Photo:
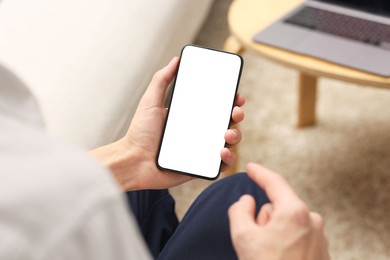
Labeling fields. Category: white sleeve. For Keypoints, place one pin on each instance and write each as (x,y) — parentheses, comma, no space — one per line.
(56,202)
(108,232)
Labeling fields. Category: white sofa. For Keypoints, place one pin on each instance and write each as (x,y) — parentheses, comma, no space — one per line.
(88,62)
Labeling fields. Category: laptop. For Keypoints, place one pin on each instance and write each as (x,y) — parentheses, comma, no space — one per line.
(353,33)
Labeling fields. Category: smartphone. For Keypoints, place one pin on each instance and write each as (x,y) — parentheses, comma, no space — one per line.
(199,112)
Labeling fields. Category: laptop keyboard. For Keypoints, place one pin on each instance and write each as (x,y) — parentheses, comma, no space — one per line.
(350,27)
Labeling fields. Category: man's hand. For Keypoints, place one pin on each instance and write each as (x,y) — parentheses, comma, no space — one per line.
(132,159)
(284,228)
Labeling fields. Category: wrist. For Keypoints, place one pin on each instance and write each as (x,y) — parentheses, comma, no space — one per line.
(121,161)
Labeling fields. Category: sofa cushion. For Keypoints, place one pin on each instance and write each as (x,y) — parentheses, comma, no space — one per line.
(88,62)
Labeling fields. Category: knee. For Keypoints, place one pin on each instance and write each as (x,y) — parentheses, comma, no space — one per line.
(240,181)
(240,184)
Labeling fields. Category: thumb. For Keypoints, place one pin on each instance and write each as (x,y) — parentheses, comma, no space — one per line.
(242,216)
(155,93)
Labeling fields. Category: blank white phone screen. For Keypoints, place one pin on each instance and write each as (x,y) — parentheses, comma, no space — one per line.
(200,111)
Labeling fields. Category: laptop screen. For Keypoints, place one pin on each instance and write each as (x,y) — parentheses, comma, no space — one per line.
(381,7)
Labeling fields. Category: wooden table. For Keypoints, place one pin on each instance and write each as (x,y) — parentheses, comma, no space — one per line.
(247,17)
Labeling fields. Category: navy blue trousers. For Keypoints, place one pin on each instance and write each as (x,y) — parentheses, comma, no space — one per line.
(204,231)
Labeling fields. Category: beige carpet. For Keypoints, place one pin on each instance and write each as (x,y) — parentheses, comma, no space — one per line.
(340,167)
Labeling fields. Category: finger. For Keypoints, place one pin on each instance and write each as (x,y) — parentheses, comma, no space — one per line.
(317,220)
(233,136)
(237,115)
(241,216)
(274,185)
(228,158)
(155,93)
(240,100)
(318,223)
(264,214)
(326,242)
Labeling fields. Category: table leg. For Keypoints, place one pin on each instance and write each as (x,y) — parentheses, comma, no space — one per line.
(232,45)
(307,91)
